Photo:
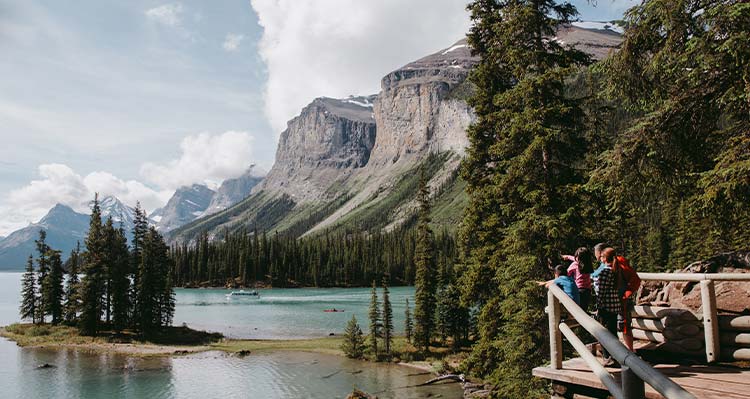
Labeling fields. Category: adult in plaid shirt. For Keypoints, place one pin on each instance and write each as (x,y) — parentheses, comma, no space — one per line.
(616,286)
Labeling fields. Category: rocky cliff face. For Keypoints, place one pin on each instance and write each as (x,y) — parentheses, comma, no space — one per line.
(234,190)
(410,111)
(329,139)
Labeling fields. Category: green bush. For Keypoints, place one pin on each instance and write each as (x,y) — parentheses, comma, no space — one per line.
(38,331)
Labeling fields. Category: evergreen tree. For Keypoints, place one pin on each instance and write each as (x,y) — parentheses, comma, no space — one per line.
(29,292)
(118,260)
(94,280)
(42,250)
(407,322)
(167,301)
(140,229)
(354,343)
(523,174)
(452,316)
(53,292)
(72,305)
(425,280)
(387,319)
(682,68)
(374,315)
(155,296)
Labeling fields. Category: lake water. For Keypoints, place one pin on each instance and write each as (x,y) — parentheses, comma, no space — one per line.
(278,313)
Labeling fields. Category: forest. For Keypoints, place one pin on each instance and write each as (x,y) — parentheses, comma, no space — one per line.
(340,259)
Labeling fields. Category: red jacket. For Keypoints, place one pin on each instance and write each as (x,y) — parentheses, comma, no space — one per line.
(631,280)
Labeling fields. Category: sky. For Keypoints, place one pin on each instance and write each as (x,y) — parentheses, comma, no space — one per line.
(135,98)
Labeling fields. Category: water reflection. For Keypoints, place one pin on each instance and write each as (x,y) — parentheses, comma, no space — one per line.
(76,374)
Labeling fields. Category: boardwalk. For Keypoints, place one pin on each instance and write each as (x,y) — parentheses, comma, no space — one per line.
(710,382)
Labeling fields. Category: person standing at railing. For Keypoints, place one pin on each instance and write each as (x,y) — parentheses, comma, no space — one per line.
(598,248)
(616,286)
(565,282)
(580,271)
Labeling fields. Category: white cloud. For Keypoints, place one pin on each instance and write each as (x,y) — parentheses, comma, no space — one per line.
(205,158)
(60,184)
(232,41)
(167,14)
(336,48)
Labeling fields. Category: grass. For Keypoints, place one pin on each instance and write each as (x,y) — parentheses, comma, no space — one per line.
(329,345)
(61,335)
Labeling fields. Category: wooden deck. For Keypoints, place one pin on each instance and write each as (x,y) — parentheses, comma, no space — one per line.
(710,382)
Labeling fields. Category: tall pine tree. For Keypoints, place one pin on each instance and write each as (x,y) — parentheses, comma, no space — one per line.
(94,279)
(140,229)
(118,260)
(42,261)
(387,319)
(72,286)
(522,179)
(29,292)
(407,322)
(155,306)
(52,289)
(374,315)
(426,268)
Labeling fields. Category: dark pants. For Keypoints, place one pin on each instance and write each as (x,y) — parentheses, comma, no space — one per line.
(585,295)
(609,321)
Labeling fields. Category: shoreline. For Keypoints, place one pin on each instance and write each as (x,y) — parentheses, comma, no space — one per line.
(230,346)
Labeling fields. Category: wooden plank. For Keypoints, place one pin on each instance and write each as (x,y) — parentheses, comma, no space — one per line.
(736,323)
(709,382)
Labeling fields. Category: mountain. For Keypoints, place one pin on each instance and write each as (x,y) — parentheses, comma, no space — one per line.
(120,213)
(64,227)
(354,163)
(187,204)
(234,190)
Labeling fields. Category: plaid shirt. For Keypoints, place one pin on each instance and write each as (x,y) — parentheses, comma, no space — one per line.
(608,296)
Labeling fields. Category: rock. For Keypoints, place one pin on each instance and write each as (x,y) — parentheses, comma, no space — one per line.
(731,296)
(242,353)
(357,394)
(474,390)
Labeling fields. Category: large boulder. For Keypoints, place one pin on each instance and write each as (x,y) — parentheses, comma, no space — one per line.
(731,296)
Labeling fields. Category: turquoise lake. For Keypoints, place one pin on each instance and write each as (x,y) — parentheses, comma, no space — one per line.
(277,314)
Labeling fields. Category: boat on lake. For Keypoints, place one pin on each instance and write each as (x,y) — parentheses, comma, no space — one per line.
(252,293)
(333,310)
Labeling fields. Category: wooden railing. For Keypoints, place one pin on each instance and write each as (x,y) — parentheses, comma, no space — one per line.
(634,371)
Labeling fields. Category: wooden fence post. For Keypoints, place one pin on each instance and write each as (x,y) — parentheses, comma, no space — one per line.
(710,321)
(632,385)
(555,337)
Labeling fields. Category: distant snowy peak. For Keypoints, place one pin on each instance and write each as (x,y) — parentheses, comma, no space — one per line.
(187,204)
(234,190)
(112,207)
(596,25)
